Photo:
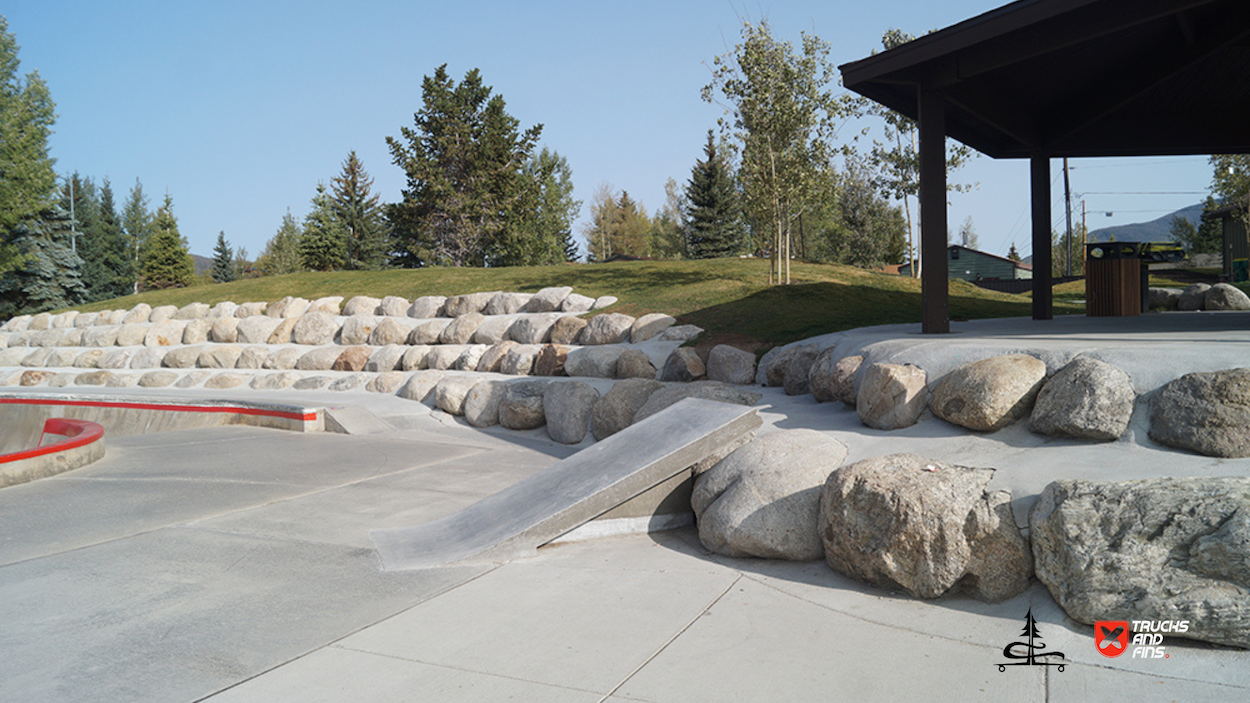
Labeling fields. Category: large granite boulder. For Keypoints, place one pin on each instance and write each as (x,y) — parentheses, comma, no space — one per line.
(730,365)
(597,362)
(225,330)
(1205,412)
(362,305)
(577,303)
(223,381)
(566,408)
(164,334)
(384,359)
(160,313)
(481,404)
(281,359)
(820,375)
(891,396)
(274,381)
(245,310)
(419,386)
(634,363)
(225,308)
(393,306)
(157,379)
(842,383)
(352,359)
(649,326)
(683,365)
(287,307)
(763,500)
(615,410)
(493,330)
(989,394)
(389,331)
(414,358)
(132,334)
(506,303)
(461,329)
(1193,297)
(776,363)
(1087,399)
(568,330)
(706,390)
(458,305)
(928,528)
(470,357)
(1164,298)
(357,329)
(191,311)
(282,333)
(428,332)
(254,357)
(607,328)
(319,359)
(1223,296)
(426,307)
(550,361)
(444,356)
(522,405)
(218,356)
(145,358)
(314,329)
(140,313)
(494,356)
(1157,549)
(99,336)
(256,329)
(519,360)
(181,357)
(533,329)
(450,391)
(547,299)
(797,377)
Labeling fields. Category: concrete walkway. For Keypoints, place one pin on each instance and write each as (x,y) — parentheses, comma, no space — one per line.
(234,564)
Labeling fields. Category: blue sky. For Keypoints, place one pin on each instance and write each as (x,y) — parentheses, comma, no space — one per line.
(238,109)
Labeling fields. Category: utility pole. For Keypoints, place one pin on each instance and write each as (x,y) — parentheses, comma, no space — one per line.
(1067,201)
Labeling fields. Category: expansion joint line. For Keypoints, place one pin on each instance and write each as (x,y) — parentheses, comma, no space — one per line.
(670,640)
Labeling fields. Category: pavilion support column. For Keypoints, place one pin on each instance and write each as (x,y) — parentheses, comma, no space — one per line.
(1039,173)
(934,287)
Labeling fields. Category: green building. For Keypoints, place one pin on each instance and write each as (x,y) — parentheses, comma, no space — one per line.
(975,265)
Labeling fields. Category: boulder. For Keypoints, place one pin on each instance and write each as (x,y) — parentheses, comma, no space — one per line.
(1087,399)
(481,405)
(157,379)
(550,360)
(604,301)
(776,365)
(330,305)
(522,405)
(281,359)
(567,407)
(634,363)
(493,330)
(35,378)
(161,313)
(1223,296)
(219,356)
(64,320)
(450,391)
(842,384)
(387,382)
(131,334)
(389,331)
(123,380)
(61,380)
(797,377)
(683,365)
(181,357)
(650,325)
(519,360)
(352,359)
(22,322)
(533,329)
(1156,549)
(115,359)
(461,329)
(385,358)
(426,307)
(282,333)
(547,299)
(196,331)
(311,383)
(94,378)
(458,305)
(568,330)
(225,330)
(38,357)
(414,358)
(903,521)
(608,328)
(820,375)
(577,303)
(419,385)
(494,356)
(616,409)
(891,396)
(707,390)
(40,322)
(256,329)
(62,358)
(247,310)
(1164,298)
(763,500)
(428,332)
(443,356)
(146,358)
(394,306)
(469,358)
(319,359)
(730,365)
(1205,412)
(357,329)
(86,319)
(140,313)
(254,357)
(223,309)
(222,381)
(46,338)
(506,303)
(349,382)
(164,334)
(191,311)
(89,359)
(598,362)
(274,381)
(1193,297)
(362,305)
(989,394)
(681,333)
(99,336)
(314,329)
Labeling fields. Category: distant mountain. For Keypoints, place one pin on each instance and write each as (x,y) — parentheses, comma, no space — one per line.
(1154,231)
(202,264)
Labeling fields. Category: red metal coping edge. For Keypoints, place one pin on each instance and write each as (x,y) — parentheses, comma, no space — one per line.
(236,409)
(78,433)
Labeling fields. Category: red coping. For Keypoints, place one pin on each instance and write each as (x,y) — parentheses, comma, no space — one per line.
(234,409)
(77,433)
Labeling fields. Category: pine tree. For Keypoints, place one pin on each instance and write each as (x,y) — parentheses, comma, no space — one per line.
(47,276)
(360,213)
(714,225)
(542,222)
(1012,253)
(323,243)
(136,228)
(223,270)
(165,262)
(107,267)
(281,253)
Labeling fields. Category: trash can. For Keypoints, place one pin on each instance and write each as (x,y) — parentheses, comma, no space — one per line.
(1241,270)
(1113,279)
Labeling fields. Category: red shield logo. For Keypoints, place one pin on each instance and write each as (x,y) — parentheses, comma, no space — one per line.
(1111,636)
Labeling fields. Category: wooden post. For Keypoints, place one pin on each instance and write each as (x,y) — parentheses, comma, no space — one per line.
(1039,176)
(934,287)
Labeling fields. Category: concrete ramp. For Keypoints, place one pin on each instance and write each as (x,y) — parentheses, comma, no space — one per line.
(533,512)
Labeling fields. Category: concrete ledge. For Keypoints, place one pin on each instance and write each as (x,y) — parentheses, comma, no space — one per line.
(82,443)
(525,516)
(122,416)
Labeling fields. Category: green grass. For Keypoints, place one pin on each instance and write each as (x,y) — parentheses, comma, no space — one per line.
(730,298)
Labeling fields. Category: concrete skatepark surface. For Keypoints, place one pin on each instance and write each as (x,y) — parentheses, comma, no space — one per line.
(234,564)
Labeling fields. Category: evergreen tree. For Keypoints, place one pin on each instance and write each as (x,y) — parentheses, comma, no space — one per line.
(1012,253)
(136,228)
(867,230)
(617,226)
(27,179)
(463,161)
(223,270)
(360,213)
(164,261)
(109,271)
(47,275)
(542,229)
(714,225)
(668,226)
(323,243)
(281,253)
(1206,238)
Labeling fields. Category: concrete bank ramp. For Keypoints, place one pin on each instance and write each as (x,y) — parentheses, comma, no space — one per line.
(531,513)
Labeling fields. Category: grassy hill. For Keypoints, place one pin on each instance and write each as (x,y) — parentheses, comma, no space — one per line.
(730,298)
